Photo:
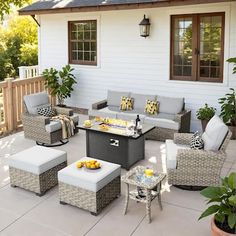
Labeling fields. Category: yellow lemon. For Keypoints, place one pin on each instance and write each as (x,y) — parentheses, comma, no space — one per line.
(79,164)
(92,166)
(88,164)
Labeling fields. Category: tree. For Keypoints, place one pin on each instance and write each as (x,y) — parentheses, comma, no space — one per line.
(18,45)
(6,5)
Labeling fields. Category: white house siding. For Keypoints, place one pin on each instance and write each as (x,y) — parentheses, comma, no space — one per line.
(128,62)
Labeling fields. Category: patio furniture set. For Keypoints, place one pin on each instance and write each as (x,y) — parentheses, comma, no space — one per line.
(40,168)
(171,118)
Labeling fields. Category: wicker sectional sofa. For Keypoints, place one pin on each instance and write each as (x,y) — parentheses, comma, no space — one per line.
(172,117)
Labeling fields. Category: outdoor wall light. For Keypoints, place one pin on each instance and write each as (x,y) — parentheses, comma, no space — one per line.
(144,26)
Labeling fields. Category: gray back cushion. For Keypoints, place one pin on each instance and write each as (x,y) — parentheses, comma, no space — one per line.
(140,100)
(170,105)
(33,101)
(113,108)
(114,97)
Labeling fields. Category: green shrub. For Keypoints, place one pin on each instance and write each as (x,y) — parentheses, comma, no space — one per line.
(206,112)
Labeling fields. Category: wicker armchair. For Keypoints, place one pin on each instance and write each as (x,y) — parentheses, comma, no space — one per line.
(40,128)
(197,167)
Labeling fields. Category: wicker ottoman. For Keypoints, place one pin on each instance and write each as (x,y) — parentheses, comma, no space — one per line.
(91,190)
(36,168)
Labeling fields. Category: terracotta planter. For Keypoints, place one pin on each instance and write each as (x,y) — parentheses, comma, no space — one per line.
(233,130)
(204,124)
(215,231)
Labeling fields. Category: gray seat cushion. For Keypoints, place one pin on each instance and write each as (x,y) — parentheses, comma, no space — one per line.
(170,105)
(130,116)
(114,97)
(89,180)
(33,101)
(104,112)
(162,123)
(37,159)
(163,116)
(56,125)
(140,100)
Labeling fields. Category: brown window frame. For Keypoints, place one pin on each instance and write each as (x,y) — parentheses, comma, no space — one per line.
(195,46)
(80,62)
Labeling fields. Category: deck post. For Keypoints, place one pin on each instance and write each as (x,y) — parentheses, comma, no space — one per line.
(10,112)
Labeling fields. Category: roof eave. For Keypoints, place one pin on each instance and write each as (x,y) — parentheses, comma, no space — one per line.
(162,3)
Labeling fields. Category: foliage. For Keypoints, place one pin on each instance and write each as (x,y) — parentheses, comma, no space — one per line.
(224,199)
(228,108)
(206,112)
(29,54)
(6,6)
(233,60)
(18,46)
(210,34)
(60,83)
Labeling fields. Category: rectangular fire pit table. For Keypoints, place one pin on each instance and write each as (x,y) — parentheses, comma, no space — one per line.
(150,187)
(114,145)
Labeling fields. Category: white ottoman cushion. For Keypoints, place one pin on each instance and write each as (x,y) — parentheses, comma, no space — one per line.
(37,159)
(92,180)
(171,153)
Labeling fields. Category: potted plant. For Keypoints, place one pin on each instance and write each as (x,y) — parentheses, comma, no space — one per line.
(223,206)
(205,114)
(60,83)
(228,111)
(233,60)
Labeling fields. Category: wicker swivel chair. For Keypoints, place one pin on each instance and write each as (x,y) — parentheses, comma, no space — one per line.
(40,128)
(195,168)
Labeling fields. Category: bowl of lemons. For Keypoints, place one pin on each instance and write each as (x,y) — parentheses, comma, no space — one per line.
(87,124)
(91,164)
(104,127)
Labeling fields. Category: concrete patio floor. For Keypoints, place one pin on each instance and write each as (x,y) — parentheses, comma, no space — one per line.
(24,213)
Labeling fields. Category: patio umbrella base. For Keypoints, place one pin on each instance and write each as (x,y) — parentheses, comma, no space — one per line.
(60,143)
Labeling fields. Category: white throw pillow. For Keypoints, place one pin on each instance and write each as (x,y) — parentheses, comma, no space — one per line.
(214,134)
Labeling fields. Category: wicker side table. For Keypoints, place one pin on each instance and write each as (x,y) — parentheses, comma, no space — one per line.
(151,186)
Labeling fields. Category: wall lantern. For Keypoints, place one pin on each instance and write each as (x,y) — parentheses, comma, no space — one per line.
(144,26)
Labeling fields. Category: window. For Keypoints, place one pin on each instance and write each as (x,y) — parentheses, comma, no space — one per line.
(83,42)
(197,47)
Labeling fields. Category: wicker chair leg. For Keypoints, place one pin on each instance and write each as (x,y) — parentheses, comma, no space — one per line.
(94,213)
(190,188)
(40,194)
(62,142)
(63,203)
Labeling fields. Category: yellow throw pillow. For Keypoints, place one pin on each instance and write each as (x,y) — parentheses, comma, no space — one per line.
(126,104)
(152,107)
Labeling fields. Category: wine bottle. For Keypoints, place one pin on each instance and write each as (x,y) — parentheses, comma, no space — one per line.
(137,123)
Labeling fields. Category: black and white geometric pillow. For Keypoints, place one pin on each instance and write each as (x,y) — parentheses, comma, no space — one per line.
(47,111)
(196,141)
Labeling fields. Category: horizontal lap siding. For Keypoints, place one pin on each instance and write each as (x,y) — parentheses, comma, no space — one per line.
(129,62)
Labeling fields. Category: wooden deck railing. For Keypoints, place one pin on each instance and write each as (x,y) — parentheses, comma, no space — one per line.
(12,92)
